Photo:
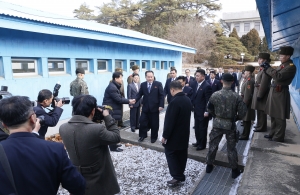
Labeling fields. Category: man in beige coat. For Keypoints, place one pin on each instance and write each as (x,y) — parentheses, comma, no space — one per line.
(261,91)
(278,102)
(87,145)
(247,90)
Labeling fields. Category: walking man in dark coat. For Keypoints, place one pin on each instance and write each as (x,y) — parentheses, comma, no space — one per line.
(153,102)
(113,97)
(278,102)
(201,95)
(176,133)
(260,95)
(132,89)
(189,79)
(173,74)
(235,83)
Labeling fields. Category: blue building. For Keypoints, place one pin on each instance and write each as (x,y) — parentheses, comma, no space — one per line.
(39,49)
(280,19)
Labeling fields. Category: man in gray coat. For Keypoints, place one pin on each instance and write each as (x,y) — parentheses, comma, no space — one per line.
(87,144)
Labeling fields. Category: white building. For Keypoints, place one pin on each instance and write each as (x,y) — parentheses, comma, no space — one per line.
(244,22)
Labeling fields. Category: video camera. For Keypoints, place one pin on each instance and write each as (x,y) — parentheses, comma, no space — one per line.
(65,100)
(98,116)
(4,93)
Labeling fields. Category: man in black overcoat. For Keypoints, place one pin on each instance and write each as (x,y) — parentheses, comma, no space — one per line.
(215,84)
(188,91)
(176,133)
(173,74)
(153,102)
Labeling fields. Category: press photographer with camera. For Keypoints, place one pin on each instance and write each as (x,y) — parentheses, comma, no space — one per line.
(44,100)
(86,143)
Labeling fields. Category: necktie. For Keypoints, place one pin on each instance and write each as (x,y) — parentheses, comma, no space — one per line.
(212,81)
(198,86)
(188,79)
(149,87)
(137,87)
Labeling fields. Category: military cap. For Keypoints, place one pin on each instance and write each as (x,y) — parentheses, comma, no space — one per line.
(249,68)
(80,70)
(265,56)
(212,71)
(135,67)
(227,77)
(286,50)
(118,70)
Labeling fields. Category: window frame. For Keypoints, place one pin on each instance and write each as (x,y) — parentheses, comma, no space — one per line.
(106,63)
(56,60)
(82,60)
(143,61)
(155,63)
(35,73)
(248,25)
(237,26)
(122,64)
(255,25)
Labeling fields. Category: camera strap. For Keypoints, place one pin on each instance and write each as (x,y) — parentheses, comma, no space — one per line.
(6,166)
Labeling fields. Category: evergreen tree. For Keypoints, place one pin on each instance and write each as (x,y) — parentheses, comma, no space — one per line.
(84,12)
(234,34)
(252,42)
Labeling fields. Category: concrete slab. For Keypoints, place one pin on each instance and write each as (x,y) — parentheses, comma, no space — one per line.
(269,174)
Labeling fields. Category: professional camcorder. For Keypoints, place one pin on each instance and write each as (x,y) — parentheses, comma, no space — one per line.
(65,100)
(4,93)
(98,117)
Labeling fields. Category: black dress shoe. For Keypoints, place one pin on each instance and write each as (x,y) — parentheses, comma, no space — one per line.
(243,138)
(141,139)
(117,150)
(235,173)
(153,140)
(200,148)
(268,136)
(173,183)
(122,126)
(137,128)
(118,145)
(194,144)
(209,168)
(132,130)
(255,130)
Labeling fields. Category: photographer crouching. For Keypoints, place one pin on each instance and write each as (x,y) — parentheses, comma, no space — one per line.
(87,144)
(44,100)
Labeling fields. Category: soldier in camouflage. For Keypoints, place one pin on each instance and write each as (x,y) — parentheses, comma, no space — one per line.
(78,86)
(226,107)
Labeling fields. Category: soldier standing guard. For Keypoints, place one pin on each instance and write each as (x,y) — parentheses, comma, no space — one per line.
(226,107)
(278,102)
(261,90)
(79,86)
(247,90)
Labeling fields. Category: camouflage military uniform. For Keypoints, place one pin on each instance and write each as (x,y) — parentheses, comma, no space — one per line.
(224,105)
(78,87)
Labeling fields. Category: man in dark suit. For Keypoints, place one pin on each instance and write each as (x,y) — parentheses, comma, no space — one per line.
(176,133)
(173,74)
(201,95)
(51,118)
(220,74)
(38,166)
(189,79)
(153,102)
(188,91)
(207,75)
(132,89)
(214,83)
(235,83)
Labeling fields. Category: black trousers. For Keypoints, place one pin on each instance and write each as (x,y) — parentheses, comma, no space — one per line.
(201,131)
(134,117)
(149,120)
(177,162)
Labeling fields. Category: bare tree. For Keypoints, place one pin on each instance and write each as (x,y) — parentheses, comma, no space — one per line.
(193,33)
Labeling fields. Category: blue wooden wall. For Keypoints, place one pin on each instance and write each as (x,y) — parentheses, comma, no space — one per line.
(22,44)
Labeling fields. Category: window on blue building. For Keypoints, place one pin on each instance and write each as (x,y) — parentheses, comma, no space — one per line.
(132,62)
(119,64)
(102,65)
(56,66)
(24,67)
(82,64)
(144,64)
(154,64)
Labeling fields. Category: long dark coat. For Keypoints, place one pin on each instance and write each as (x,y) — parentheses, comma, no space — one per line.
(247,91)
(114,98)
(261,89)
(177,122)
(87,144)
(278,103)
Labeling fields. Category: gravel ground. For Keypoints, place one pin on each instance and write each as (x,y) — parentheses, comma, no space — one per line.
(144,171)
